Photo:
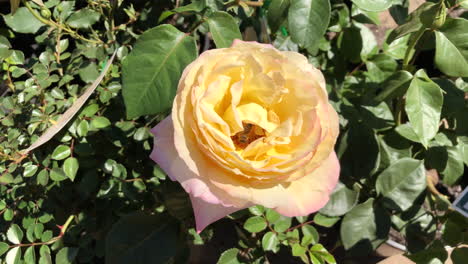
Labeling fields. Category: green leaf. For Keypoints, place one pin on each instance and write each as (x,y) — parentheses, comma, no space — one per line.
(380,67)
(257,210)
(38,229)
(43,177)
(363,16)
(15,234)
(325,221)
(3,248)
(90,110)
(46,236)
(89,73)
(448,161)
(369,42)
(402,183)
(392,148)
(141,134)
(223,28)
(452,47)
(397,48)
(463,3)
(229,257)
(454,97)
(70,167)
(100,122)
(315,258)
(5,46)
(423,105)
(13,256)
(270,242)
(282,224)
(298,250)
(435,254)
(255,224)
(463,148)
(459,254)
(139,238)
(57,174)
(350,43)
(407,131)
(23,21)
(412,24)
(272,216)
(30,233)
(30,170)
(394,86)
(373,5)
(311,236)
(341,201)
(61,152)
(30,255)
(83,18)
(364,228)
(321,251)
(150,72)
(82,128)
(276,13)
(45,255)
(66,255)
(308,20)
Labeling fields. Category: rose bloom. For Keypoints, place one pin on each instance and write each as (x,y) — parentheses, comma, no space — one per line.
(250,125)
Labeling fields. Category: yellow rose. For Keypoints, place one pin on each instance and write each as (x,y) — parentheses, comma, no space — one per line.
(250,125)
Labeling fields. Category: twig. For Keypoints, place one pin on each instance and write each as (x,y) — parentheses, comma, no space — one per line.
(300,225)
(63,229)
(53,24)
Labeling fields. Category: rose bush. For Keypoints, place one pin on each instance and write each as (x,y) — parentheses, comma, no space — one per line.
(250,125)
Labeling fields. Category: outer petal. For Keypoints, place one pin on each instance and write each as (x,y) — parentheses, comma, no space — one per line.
(301,197)
(312,192)
(165,154)
(207,213)
(206,205)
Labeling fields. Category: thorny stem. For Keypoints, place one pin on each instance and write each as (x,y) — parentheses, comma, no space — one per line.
(63,229)
(300,225)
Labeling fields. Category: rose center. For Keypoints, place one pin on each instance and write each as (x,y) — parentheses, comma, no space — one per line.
(250,133)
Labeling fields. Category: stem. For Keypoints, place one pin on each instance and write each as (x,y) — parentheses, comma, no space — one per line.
(67,223)
(55,25)
(192,30)
(410,51)
(300,225)
(63,229)
(399,110)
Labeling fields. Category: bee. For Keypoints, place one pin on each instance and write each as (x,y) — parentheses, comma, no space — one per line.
(250,133)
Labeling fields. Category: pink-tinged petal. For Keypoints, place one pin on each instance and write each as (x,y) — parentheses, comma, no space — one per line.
(312,192)
(298,198)
(166,156)
(207,213)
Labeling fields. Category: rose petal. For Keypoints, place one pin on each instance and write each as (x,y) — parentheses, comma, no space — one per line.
(207,213)
(166,156)
(301,197)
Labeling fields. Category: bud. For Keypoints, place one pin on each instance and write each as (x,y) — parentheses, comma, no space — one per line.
(45,13)
(441,15)
(434,16)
